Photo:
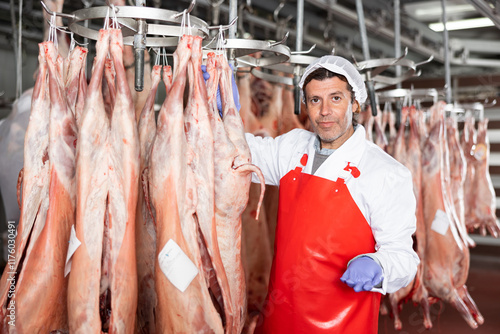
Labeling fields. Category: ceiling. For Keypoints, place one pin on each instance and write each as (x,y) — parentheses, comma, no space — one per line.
(333,25)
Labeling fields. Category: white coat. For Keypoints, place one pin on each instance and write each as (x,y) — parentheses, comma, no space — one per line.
(383,192)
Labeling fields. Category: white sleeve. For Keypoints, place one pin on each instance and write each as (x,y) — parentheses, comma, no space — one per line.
(393,222)
(265,156)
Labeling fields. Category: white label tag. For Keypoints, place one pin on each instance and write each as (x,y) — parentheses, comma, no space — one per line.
(74,243)
(177,266)
(441,222)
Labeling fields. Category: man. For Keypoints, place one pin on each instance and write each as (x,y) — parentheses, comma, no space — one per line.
(346,213)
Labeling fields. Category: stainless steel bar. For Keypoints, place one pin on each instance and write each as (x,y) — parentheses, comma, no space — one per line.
(366,54)
(397,36)
(446,46)
(139,48)
(362,29)
(298,47)
(300,25)
(233,13)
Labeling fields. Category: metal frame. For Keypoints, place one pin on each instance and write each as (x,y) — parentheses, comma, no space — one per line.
(275,53)
(127,16)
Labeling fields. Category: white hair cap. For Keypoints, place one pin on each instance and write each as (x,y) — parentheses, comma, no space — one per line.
(341,66)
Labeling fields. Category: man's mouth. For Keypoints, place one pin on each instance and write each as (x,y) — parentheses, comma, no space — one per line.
(326,124)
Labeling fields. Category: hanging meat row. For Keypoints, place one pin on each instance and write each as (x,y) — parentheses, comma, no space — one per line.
(454,195)
(151,210)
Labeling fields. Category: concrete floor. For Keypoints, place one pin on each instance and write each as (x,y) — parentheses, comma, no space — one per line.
(484,287)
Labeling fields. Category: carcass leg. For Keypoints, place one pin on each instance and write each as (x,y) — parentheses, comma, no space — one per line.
(464,294)
(462,308)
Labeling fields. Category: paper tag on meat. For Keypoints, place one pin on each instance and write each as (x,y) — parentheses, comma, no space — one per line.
(177,266)
(74,243)
(441,222)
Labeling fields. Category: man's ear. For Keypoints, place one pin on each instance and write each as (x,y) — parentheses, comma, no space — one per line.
(356,107)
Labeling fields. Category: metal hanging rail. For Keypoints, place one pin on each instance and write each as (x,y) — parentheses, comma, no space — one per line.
(165,32)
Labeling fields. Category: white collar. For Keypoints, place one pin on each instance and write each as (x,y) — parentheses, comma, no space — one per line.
(350,152)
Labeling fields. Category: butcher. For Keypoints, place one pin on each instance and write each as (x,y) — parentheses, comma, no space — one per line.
(346,213)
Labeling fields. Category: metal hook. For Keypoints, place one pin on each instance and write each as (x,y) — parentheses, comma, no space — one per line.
(486,105)
(244,6)
(224,27)
(303,52)
(425,61)
(356,63)
(277,10)
(280,42)
(69,16)
(187,11)
(61,28)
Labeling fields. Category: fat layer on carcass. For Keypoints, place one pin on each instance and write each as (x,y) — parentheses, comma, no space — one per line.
(103,279)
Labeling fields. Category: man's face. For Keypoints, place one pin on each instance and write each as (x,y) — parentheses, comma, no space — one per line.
(330,109)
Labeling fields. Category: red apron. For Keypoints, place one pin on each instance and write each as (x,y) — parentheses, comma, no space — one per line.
(320,228)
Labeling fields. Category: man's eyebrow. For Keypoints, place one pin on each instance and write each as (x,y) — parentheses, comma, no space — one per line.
(337,92)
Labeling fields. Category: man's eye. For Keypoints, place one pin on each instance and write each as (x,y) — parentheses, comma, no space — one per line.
(336,98)
(314,100)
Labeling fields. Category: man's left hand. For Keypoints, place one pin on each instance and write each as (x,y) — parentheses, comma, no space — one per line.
(362,274)
(234,86)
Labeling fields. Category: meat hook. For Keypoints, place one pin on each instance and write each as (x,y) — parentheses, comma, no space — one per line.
(187,11)
(280,42)
(69,16)
(303,52)
(222,28)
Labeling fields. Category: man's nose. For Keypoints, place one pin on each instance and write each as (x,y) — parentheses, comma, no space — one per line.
(325,110)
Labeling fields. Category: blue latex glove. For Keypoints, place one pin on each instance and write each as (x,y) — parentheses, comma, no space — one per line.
(236,94)
(362,274)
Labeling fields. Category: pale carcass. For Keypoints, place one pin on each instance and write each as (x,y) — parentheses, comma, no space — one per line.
(483,209)
(457,175)
(419,293)
(250,120)
(408,152)
(446,258)
(75,81)
(272,118)
(230,174)
(40,285)
(289,120)
(380,139)
(200,140)
(103,280)
(191,311)
(467,141)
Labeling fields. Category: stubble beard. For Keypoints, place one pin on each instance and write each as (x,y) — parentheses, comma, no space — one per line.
(329,140)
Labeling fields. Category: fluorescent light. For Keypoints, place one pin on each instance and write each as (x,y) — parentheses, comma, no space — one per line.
(450,9)
(479,22)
